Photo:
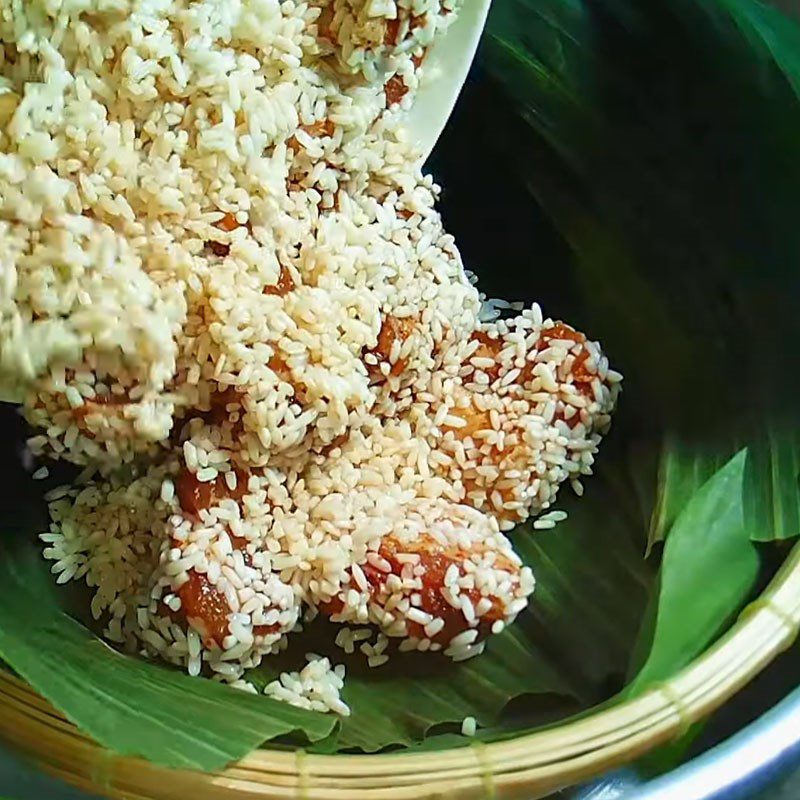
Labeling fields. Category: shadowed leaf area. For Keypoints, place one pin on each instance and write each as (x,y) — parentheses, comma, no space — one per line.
(634,168)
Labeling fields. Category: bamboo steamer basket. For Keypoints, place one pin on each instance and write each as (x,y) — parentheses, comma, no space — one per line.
(525,768)
(528,767)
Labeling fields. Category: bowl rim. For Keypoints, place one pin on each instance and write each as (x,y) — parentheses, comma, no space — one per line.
(446,68)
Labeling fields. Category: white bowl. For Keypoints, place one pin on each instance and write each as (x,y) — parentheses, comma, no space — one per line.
(446,68)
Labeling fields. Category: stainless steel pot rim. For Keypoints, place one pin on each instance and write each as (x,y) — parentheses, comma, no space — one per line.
(734,770)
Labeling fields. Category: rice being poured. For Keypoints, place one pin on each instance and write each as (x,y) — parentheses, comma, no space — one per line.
(228,295)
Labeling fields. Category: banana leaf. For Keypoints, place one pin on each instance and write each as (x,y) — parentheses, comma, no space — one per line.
(673,181)
(687,616)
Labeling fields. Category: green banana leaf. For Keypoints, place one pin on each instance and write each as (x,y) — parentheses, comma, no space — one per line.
(673,181)
(687,615)
(772,478)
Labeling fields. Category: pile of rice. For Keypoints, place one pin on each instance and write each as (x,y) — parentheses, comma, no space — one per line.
(228,295)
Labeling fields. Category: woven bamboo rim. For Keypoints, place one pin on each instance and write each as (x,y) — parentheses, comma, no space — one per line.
(528,767)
